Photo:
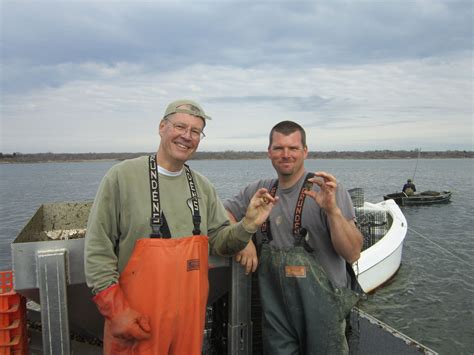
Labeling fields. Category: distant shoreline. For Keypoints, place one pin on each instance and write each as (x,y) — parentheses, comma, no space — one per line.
(16,158)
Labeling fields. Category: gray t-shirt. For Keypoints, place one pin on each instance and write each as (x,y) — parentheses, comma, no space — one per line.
(314,219)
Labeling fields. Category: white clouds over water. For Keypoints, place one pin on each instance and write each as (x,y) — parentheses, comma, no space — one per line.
(82,76)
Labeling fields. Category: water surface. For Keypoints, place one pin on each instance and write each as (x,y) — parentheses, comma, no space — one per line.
(430,299)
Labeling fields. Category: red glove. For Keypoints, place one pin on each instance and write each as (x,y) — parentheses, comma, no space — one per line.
(125,323)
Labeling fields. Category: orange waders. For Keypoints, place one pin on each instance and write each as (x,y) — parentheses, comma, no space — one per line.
(166,280)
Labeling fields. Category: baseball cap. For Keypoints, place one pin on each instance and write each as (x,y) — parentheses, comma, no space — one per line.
(186,106)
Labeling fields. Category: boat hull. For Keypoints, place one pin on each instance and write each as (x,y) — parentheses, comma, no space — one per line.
(378,263)
(423,198)
(378,274)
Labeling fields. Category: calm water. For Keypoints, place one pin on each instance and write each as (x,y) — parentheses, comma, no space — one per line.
(431,297)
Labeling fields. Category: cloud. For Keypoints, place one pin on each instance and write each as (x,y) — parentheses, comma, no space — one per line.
(172,35)
(308,104)
(97,75)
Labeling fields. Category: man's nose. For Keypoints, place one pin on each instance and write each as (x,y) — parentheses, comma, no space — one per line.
(187,133)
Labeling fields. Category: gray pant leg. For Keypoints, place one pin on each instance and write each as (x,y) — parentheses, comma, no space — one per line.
(301,315)
(278,336)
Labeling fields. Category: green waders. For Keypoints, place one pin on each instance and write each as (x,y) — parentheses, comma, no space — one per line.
(303,313)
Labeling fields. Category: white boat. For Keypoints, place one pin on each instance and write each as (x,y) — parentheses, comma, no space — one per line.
(384,227)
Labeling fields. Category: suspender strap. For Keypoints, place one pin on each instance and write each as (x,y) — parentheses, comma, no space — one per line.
(299,205)
(193,202)
(298,232)
(158,222)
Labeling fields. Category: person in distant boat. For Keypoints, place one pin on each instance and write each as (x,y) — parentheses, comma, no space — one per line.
(151,226)
(303,250)
(409,188)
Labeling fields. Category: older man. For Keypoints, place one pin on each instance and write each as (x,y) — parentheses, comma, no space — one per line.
(149,231)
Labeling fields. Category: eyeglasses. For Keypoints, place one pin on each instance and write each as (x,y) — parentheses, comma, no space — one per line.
(182,128)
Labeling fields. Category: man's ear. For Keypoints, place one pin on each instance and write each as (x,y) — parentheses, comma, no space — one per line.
(161,126)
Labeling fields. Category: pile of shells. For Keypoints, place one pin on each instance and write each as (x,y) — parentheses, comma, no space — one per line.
(61,234)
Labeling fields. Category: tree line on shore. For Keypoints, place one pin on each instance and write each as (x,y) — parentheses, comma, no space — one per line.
(235,155)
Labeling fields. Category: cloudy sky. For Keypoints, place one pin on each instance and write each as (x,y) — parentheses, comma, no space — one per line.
(96,76)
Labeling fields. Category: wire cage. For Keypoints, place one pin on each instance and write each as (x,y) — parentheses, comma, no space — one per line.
(373,225)
(357,196)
